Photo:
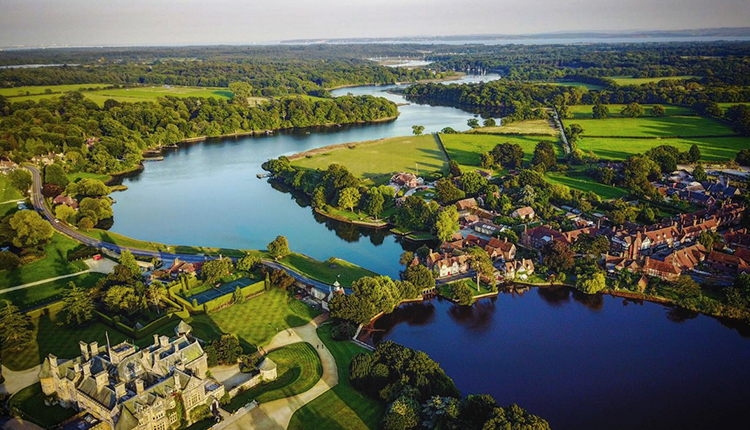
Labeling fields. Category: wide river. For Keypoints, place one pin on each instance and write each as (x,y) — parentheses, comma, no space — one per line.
(581,362)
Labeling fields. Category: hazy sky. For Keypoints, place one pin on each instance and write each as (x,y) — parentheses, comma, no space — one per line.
(179,22)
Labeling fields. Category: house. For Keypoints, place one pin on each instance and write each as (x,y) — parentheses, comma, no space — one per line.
(486,228)
(660,269)
(720,190)
(524,213)
(483,214)
(737,239)
(7,165)
(518,269)
(501,249)
(126,387)
(466,204)
(65,200)
(642,284)
(687,258)
(729,264)
(406,180)
(539,237)
(445,265)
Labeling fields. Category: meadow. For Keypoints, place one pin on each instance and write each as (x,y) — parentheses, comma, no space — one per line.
(48,90)
(629,80)
(585,111)
(530,127)
(585,183)
(377,160)
(8,193)
(55,263)
(668,126)
(99,94)
(712,149)
(574,84)
(466,149)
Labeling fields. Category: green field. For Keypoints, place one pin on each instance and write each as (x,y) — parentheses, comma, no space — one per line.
(343,407)
(298,369)
(585,111)
(74,177)
(585,183)
(712,149)
(378,160)
(49,291)
(21,92)
(322,270)
(445,289)
(574,84)
(537,126)
(466,148)
(7,191)
(55,263)
(255,321)
(30,400)
(684,126)
(629,80)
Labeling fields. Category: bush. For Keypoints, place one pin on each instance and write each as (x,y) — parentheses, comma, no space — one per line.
(82,253)
(344,330)
(200,413)
(8,260)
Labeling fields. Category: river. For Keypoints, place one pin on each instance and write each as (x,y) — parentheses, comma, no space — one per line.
(207,193)
(587,362)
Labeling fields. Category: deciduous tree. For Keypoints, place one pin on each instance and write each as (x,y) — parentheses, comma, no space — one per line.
(278,248)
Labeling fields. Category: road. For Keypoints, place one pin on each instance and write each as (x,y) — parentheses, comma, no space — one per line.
(38,201)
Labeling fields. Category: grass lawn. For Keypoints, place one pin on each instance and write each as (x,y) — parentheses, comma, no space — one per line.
(574,84)
(118,239)
(255,321)
(30,400)
(445,289)
(55,263)
(322,270)
(74,177)
(40,89)
(466,148)
(378,160)
(629,80)
(140,94)
(585,111)
(537,126)
(653,126)
(298,369)
(728,105)
(8,191)
(712,149)
(7,208)
(343,407)
(585,183)
(50,291)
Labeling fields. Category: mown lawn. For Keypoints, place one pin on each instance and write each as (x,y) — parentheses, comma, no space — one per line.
(55,263)
(712,149)
(378,160)
(445,289)
(30,400)
(324,272)
(118,239)
(537,126)
(585,183)
(467,148)
(629,80)
(255,321)
(298,369)
(653,126)
(343,407)
(585,111)
(50,291)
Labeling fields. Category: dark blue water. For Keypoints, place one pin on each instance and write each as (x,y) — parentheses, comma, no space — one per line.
(207,193)
(587,362)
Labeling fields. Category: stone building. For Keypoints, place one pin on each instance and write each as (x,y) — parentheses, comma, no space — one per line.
(126,387)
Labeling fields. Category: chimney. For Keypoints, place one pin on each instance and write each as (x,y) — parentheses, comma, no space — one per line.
(94,347)
(84,350)
(120,391)
(598,223)
(505,239)
(163,341)
(176,346)
(101,379)
(138,386)
(52,363)
(156,340)
(86,370)
(76,367)
(177,386)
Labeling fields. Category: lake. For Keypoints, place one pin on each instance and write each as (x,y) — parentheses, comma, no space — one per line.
(207,193)
(586,362)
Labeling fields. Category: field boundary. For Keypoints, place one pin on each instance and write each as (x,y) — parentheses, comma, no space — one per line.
(440,143)
(709,136)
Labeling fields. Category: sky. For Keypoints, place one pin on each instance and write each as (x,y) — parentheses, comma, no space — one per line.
(206,22)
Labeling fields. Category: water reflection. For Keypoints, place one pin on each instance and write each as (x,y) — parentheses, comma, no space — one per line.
(477,318)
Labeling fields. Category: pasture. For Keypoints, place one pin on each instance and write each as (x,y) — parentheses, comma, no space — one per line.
(629,80)
(574,84)
(99,93)
(536,126)
(585,111)
(466,149)
(712,149)
(48,90)
(668,126)
(377,160)
(585,183)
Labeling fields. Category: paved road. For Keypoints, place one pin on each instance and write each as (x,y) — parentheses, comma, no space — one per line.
(277,414)
(38,201)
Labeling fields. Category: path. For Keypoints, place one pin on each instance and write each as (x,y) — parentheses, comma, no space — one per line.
(15,381)
(101,266)
(276,414)
(563,137)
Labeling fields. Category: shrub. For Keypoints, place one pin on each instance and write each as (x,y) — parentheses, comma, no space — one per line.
(8,260)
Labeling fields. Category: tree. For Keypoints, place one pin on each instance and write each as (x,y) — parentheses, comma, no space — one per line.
(633,110)
(96,209)
(480,261)
(29,229)
(21,180)
(558,256)
(699,173)
(472,182)
(509,155)
(544,156)
(406,258)
(279,248)
(694,154)
(216,269)
(461,293)
(446,191)
(319,198)
(54,174)
(473,123)
(248,263)
(446,223)
(489,122)
(420,276)
(528,195)
(125,298)
(128,261)
(486,160)
(242,92)
(743,157)
(225,350)
(375,203)
(573,133)
(402,414)
(591,284)
(606,175)
(15,327)
(65,213)
(87,188)
(600,111)
(454,169)
(79,306)
(638,173)
(710,239)
(658,110)
(417,129)
(156,294)
(349,198)
(8,260)
(85,223)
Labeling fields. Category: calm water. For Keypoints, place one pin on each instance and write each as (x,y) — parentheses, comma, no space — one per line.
(207,193)
(587,362)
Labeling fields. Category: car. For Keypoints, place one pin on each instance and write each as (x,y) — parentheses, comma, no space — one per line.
(57,221)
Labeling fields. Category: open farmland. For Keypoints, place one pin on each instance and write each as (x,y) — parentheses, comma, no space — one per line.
(466,149)
(585,111)
(48,90)
(536,126)
(585,183)
(378,160)
(98,94)
(712,149)
(668,126)
(629,80)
